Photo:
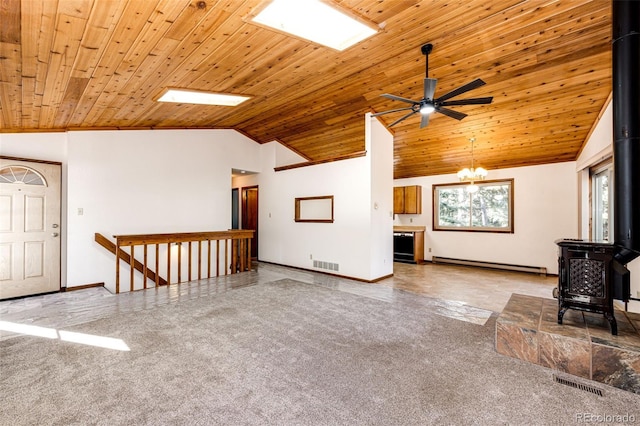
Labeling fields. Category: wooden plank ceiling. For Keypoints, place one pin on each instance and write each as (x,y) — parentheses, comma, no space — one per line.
(100,64)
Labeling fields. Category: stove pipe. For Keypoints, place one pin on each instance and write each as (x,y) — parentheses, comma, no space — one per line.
(626,128)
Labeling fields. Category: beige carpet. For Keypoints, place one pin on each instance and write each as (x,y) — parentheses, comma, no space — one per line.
(285,353)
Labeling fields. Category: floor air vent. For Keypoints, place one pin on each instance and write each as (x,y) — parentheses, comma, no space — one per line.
(577,385)
(325,265)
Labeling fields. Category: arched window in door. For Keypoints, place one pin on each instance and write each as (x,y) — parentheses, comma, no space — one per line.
(21,175)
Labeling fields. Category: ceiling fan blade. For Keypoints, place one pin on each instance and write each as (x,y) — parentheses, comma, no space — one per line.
(398,98)
(391,110)
(451,113)
(429,87)
(424,121)
(460,90)
(399,120)
(472,101)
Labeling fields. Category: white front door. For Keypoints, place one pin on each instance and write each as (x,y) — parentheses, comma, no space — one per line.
(29,228)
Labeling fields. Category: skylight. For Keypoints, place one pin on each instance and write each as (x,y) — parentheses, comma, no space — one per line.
(203,98)
(314,20)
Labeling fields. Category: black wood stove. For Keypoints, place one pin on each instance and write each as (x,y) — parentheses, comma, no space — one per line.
(589,278)
(592,274)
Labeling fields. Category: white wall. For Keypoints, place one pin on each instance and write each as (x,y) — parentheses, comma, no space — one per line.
(138,182)
(598,148)
(381,226)
(544,211)
(284,156)
(350,240)
(600,144)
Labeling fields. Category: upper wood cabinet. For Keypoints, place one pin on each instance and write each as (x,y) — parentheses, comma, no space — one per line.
(407,199)
(398,199)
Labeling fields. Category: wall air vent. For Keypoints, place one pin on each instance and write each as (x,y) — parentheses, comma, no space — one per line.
(326,265)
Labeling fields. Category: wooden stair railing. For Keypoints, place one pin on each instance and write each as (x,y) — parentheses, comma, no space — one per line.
(109,245)
(236,241)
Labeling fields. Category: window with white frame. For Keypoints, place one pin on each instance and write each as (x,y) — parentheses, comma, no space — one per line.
(489,209)
(602,201)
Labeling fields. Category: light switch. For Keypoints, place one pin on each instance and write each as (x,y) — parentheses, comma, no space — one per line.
(80,211)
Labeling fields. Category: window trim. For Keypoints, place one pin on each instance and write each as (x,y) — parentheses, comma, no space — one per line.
(605,165)
(436,211)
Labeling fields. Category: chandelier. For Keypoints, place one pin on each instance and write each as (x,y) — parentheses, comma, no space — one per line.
(473,174)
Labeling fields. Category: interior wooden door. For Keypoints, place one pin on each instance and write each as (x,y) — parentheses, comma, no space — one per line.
(29,227)
(250,215)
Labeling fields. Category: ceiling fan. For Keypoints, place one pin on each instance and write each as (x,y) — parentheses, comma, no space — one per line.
(428,104)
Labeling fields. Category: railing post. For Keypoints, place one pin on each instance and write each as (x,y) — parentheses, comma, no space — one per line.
(168,263)
(144,268)
(132,268)
(117,266)
(241,254)
(157,264)
(189,261)
(218,258)
(209,259)
(233,256)
(179,262)
(200,260)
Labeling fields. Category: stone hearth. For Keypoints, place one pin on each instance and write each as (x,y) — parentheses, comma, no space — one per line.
(583,345)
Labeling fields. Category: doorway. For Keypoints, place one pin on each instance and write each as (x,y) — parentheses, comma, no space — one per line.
(29,227)
(250,215)
(235,208)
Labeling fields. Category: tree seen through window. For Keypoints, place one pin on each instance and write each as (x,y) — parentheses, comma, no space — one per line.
(487,209)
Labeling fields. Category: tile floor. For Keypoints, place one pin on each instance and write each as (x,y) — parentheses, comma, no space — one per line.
(480,287)
(464,293)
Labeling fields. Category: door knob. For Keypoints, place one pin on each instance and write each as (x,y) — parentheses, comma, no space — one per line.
(55,234)
(55,225)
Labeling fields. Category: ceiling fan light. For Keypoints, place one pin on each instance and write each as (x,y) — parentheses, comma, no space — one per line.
(426,109)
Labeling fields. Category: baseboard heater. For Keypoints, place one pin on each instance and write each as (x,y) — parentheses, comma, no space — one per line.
(532,269)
